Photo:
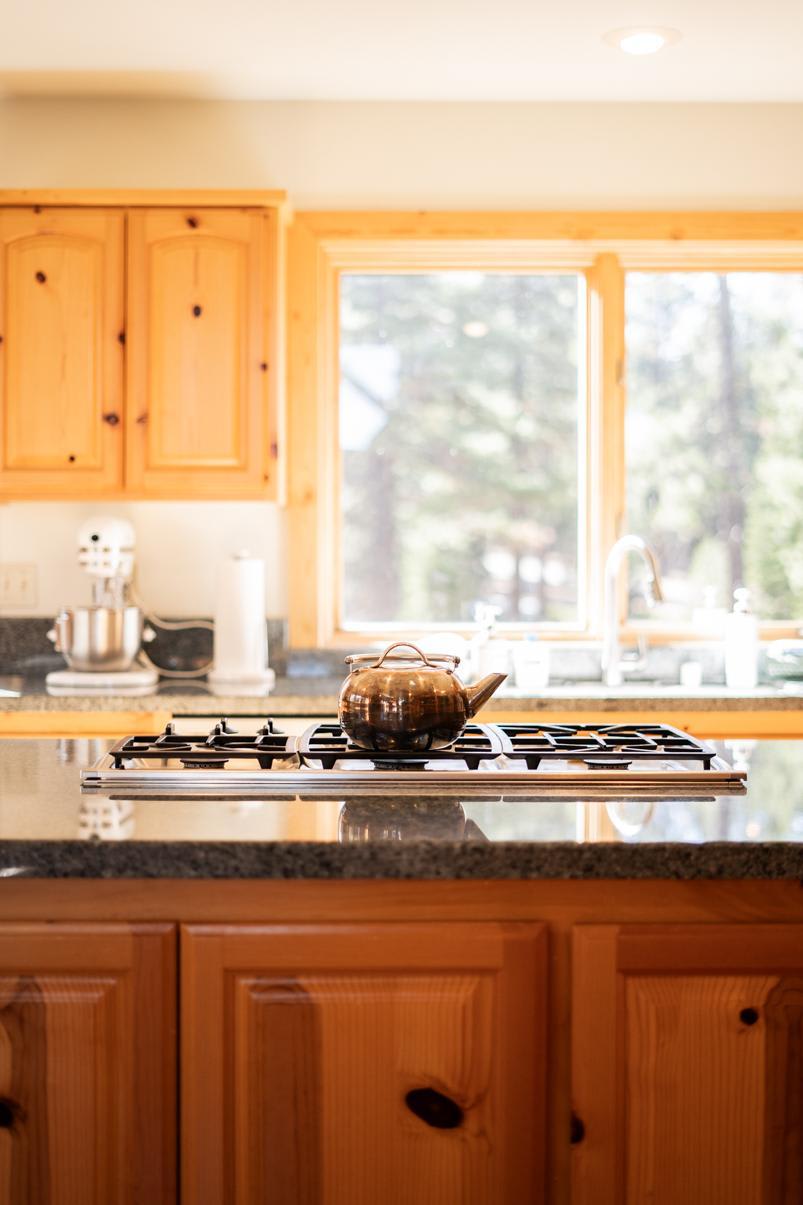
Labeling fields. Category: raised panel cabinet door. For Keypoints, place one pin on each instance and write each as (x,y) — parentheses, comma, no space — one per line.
(61,354)
(87,1064)
(198,380)
(358,1064)
(687,1064)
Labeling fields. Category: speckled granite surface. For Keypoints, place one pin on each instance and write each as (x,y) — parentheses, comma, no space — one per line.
(421,860)
(292,696)
(48,828)
(317,696)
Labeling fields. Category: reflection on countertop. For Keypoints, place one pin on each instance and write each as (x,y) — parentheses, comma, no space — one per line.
(49,828)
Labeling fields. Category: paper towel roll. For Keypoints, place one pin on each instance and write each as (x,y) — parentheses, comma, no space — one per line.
(241,633)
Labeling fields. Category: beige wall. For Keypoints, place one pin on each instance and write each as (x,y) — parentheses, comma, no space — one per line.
(418,154)
(366,155)
(180,549)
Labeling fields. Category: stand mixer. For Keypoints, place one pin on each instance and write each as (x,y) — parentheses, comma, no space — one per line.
(101,642)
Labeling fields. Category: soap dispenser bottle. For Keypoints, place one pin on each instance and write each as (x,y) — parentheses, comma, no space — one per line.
(741,643)
(487,653)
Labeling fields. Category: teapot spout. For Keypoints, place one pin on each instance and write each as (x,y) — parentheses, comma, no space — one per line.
(480,692)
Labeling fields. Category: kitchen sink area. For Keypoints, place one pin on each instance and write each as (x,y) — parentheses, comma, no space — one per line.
(657,688)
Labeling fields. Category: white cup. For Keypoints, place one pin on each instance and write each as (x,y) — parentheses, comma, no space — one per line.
(691,674)
(531,665)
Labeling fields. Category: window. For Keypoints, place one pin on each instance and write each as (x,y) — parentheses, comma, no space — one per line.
(461,401)
(480,404)
(715,434)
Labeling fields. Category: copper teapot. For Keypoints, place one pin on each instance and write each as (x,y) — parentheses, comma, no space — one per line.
(408,701)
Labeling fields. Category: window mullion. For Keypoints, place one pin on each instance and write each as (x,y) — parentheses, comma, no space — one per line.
(606,394)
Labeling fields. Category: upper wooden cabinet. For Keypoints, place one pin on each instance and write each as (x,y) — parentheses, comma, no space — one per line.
(169,391)
(61,356)
(366,1063)
(197,353)
(687,1052)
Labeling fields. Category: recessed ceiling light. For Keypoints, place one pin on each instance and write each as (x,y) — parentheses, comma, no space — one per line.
(647,39)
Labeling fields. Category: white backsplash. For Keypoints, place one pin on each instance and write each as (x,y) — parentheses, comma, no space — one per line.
(181,547)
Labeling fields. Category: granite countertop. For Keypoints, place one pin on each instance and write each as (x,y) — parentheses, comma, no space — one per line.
(317,696)
(314,696)
(48,828)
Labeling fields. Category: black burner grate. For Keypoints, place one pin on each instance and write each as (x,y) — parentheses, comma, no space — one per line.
(207,751)
(598,746)
(604,746)
(327,743)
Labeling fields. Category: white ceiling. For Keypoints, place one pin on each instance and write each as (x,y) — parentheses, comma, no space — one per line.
(731,50)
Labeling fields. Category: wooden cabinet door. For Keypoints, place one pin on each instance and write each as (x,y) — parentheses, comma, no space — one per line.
(198,423)
(87,1064)
(359,1064)
(61,355)
(687,1055)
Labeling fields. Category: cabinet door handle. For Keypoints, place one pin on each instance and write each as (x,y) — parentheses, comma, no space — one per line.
(577,1130)
(112,419)
(435,1109)
(9,1112)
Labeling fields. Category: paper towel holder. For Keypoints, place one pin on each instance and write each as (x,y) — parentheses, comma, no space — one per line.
(241,642)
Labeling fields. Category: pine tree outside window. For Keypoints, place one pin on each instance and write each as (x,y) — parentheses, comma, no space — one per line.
(460,410)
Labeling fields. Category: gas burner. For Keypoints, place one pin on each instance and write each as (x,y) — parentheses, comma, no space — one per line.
(602,763)
(207,762)
(410,763)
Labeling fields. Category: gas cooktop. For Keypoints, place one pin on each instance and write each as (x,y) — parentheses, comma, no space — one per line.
(591,759)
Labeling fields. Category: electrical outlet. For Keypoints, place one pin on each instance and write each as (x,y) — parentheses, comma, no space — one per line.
(17,586)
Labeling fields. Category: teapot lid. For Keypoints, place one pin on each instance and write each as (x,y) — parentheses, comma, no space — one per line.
(434,660)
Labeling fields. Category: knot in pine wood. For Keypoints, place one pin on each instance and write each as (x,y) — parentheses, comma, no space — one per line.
(434,1109)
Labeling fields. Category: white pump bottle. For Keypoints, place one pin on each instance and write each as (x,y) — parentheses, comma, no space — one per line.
(741,644)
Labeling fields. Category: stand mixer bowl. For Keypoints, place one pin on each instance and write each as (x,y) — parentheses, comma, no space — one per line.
(98,639)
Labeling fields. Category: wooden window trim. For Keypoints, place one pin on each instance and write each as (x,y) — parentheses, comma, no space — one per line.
(603,246)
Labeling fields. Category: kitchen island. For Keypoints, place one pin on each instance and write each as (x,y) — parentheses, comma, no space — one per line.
(404,998)
(49,827)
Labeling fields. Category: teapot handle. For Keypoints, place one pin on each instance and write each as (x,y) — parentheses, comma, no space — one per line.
(404,644)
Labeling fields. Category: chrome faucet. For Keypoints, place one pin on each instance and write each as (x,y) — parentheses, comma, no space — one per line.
(612,668)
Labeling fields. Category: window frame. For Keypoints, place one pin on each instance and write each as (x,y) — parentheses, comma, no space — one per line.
(601,246)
